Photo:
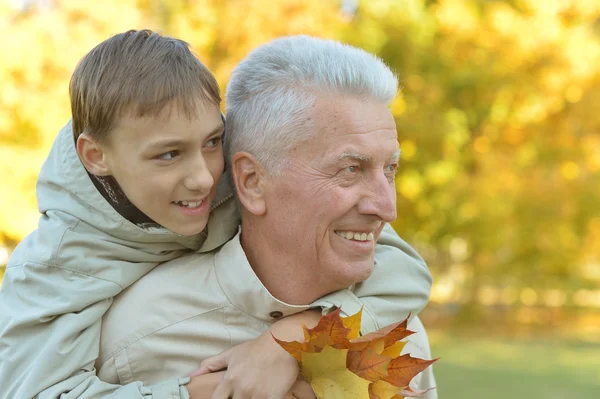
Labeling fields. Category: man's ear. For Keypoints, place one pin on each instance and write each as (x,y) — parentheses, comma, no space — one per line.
(92,155)
(249,178)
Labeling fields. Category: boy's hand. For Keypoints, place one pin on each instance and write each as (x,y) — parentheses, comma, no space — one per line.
(203,387)
(261,368)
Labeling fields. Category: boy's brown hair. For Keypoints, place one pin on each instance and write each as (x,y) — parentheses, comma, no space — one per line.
(137,73)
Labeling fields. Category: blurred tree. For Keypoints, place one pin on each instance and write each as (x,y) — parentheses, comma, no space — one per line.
(496,120)
(499,133)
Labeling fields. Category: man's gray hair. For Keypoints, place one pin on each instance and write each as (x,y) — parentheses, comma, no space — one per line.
(271,93)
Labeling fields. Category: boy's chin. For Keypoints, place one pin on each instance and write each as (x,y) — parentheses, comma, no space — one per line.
(186,229)
(189,231)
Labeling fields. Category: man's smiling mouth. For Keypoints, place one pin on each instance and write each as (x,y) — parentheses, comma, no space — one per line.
(355,235)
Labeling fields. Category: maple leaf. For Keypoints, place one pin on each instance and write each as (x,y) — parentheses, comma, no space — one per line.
(331,330)
(382,390)
(329,377)
(368,363)
(390,335)
(332,326)
(339,363)
(403,368)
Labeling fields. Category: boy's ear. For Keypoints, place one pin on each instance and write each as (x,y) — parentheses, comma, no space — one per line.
(92,155)
(249,178)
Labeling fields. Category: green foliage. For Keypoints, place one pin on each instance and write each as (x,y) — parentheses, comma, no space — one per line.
(492,367)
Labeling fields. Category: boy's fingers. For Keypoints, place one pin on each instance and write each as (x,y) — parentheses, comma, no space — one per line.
(302,390)
(212,364)
(223,391)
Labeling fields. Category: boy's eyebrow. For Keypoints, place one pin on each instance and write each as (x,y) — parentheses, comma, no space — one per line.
(177,142)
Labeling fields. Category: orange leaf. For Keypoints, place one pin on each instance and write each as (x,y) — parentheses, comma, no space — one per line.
(317,343)
(294,348)
(332,326)
(368,364)
(391,334)
(402,369)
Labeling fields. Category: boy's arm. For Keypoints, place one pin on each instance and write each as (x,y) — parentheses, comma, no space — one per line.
(400,284)
(260,368)
(50,321)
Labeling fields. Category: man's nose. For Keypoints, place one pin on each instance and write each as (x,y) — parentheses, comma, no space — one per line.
(380,198)
(198,176)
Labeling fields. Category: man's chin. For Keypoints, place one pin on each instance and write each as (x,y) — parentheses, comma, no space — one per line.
(358,272)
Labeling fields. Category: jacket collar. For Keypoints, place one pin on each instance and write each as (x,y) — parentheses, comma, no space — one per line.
(244,289)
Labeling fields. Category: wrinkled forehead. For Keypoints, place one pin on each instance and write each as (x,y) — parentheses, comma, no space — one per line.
(351,125)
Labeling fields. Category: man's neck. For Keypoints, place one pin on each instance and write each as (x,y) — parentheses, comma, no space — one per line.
(281,277)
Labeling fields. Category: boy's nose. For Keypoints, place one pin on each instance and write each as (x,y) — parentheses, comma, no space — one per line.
(199,177)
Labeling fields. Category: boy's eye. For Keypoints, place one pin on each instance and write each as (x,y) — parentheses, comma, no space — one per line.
(168,156)
(214,142)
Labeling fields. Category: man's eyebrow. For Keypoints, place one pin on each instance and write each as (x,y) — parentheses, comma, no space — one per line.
(365,158)
(358,157)
(177,142)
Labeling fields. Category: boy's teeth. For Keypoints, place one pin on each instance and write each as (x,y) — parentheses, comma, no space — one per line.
(351,235)
(189,204)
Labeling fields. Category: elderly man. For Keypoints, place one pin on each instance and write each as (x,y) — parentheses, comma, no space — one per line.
(312,150)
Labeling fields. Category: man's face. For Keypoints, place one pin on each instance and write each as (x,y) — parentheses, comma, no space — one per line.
(330,202)
(169,166)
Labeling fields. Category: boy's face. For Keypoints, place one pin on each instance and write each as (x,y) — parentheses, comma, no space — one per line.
(169,166)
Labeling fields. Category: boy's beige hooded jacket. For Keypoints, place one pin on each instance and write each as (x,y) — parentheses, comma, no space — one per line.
(62,278)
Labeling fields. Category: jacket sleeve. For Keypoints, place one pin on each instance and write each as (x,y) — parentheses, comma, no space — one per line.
(399,285)
(50,321)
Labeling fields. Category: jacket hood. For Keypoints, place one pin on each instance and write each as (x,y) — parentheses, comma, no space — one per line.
(64,185)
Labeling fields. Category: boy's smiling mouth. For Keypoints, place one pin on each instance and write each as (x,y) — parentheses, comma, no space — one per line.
(190,204)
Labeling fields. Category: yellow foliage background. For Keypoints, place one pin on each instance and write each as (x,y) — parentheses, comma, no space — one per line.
(498,120)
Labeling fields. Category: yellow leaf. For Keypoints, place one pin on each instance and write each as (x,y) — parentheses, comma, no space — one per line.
(383,390)
(353,323)
(394,350)
(327,373)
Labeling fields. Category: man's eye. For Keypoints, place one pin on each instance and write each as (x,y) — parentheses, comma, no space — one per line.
(168,156)
(391,168)
(352,169)
(390,171)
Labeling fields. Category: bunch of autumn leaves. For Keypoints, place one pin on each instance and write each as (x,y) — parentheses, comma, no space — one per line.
(338,363)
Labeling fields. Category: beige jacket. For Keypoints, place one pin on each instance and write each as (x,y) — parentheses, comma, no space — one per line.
(200,305)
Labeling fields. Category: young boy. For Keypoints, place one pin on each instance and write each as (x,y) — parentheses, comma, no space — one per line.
(130,184)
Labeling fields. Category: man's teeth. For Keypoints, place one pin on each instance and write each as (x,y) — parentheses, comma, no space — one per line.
(189,204)
(351,235)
